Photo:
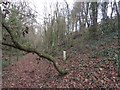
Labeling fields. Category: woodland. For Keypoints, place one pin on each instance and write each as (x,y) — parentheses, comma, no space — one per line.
(74,47)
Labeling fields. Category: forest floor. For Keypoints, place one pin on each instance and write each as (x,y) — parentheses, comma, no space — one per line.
(84,72)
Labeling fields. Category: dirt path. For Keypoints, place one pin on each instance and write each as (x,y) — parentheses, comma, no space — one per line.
(26,72)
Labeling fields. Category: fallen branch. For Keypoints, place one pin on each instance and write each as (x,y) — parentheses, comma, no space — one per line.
(17,45)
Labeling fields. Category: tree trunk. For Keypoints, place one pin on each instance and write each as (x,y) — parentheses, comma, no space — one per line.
(94,18)
(112,8)
(68,14)
(17,55)
(104,10)
(10,55)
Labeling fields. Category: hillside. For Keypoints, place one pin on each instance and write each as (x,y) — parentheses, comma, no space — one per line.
(60,44)
(92,68)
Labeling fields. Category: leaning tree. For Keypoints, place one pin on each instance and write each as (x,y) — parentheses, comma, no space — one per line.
(16,20)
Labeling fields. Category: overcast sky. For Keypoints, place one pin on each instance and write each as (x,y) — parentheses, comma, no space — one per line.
(39,5)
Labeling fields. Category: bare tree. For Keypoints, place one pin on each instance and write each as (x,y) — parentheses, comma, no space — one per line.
(94,8)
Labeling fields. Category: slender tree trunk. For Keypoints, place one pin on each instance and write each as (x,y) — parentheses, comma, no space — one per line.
(112,8)
(10,52)
(94,19)
(76,24)
(68,14)
(104,10)
(86,14)
(72,26)
(17,55)
(79,23)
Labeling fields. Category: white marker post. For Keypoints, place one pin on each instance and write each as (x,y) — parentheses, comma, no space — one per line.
(64,55)
(102,33)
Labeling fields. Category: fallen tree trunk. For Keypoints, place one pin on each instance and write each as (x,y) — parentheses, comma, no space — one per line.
(17,45)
